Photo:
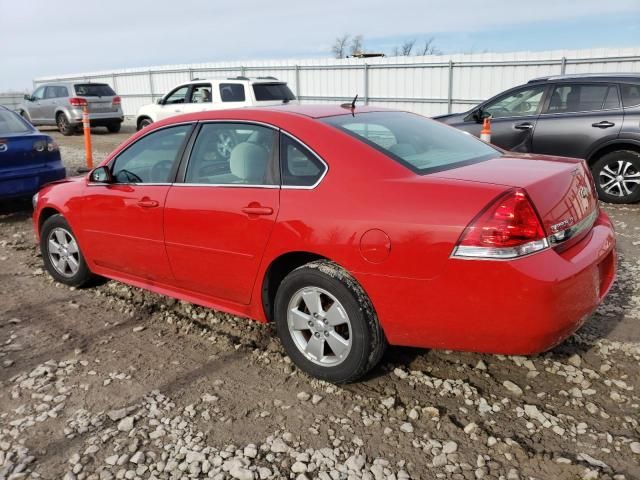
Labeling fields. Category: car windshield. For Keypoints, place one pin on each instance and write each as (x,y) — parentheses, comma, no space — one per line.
(272,91)
(94,90)
(420,144)
(11,123)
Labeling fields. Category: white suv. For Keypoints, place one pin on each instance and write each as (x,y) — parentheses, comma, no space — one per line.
(216,94)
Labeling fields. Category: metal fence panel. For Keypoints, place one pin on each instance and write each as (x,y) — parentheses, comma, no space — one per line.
(429,85)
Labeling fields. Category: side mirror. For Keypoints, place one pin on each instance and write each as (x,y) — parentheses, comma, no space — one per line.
(101,175)
(28,97)
(160,101)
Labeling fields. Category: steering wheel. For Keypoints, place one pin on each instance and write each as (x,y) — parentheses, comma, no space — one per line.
(160,171)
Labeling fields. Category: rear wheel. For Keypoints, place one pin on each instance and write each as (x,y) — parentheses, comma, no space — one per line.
(617,176)
(61,253)
(114,127)
(327,323)
(64,126)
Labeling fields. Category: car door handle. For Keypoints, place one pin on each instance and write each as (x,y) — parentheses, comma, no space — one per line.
(148,203)
(257,210)
(523,126)
(603,124)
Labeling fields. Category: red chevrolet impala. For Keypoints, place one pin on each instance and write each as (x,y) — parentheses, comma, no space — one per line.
(351,229)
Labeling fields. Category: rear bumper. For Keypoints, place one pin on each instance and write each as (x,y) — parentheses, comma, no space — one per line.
(96,119)
(521,306)
(26,182)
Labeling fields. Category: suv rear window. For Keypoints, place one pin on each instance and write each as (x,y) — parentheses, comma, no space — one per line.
(94,90)
(630,95)
(272,91)
(232,92)
(422,145)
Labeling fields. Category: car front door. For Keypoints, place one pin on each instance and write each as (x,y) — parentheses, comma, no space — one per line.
(173,103)
(578,117)
(48,104)
(123,220)
(198,99)
(35,105)
(219,219)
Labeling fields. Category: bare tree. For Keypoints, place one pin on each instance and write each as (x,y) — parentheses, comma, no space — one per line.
(356,45)
(429,48)
(407,47)
(339,47)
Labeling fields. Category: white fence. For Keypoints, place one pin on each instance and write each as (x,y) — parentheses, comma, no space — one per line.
(11,100)
(429,85)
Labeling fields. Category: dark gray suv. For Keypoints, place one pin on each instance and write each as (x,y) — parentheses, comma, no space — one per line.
(594,116)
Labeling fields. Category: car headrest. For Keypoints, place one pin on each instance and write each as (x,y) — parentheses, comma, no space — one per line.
(248,162)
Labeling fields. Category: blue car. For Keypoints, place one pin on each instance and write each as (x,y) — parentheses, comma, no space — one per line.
(28,158)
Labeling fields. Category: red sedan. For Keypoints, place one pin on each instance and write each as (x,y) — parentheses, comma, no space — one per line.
(350,229)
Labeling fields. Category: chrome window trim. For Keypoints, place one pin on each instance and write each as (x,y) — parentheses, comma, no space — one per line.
(233,185)
(104,184)
(305,187)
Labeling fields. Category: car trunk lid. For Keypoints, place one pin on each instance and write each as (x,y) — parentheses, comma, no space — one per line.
(99,97)
(561,189)
(18,151)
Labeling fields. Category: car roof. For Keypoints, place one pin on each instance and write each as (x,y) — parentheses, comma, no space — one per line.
(315,111)
(598,77)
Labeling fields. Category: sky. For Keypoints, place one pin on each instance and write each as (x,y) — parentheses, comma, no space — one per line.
(54,37)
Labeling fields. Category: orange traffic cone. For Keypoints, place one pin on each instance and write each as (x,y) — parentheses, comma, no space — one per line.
(485,133)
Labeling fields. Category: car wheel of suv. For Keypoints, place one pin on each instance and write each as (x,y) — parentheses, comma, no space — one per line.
(617,176)
(114,127)
(144,122)
(61,253)
(327,323)
(64,126)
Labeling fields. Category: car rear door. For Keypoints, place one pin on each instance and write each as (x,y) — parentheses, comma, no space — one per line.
(218,220)
(577,117)
(123,220)
(99,97)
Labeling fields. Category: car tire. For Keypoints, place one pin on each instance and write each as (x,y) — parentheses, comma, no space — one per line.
(114,127)
(61,254)
(64,126)
(144,122)
(617,176)
(342,339)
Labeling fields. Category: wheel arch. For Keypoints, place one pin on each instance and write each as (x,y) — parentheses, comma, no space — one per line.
(46,213)
(620,144)
(277,270)
(140,118)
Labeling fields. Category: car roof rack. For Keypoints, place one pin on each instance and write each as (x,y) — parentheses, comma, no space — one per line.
(267,78)
(584,75)
(239,77)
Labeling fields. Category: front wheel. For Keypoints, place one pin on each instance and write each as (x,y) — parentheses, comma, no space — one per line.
(327,323)
(617,176)
(61,253)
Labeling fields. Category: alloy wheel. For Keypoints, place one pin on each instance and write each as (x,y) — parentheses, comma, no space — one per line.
(63,252)
(319,326)
(225,144)
(619,178)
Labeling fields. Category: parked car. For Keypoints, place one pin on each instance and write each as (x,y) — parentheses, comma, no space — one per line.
(61,104)
(595,117)
(215,94)
(28,158)
(349,228)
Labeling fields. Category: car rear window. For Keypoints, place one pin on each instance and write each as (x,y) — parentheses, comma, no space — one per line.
(94,90)
(232,92)
(272,91)
(422,145)
(11,123)
(630,95)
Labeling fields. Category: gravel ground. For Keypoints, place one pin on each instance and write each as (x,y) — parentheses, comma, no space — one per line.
(114,382)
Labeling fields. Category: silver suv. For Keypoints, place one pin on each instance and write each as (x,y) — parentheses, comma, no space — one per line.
(61,104)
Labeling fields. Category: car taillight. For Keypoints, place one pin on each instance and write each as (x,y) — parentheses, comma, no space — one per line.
(508,228)
(116,101)
(78,102)
(41,146)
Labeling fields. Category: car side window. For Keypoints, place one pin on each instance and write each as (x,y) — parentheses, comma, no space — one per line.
(39,93)
(522,103)
(580,98)
(630,95)
(299,166)
(179,95)
(61,92)
(150,159)
(232,92)
(233,154)
(50,92)
(201,93)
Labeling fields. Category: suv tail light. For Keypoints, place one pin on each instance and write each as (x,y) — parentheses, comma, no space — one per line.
(116,101)
(508,228)
(78,102)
